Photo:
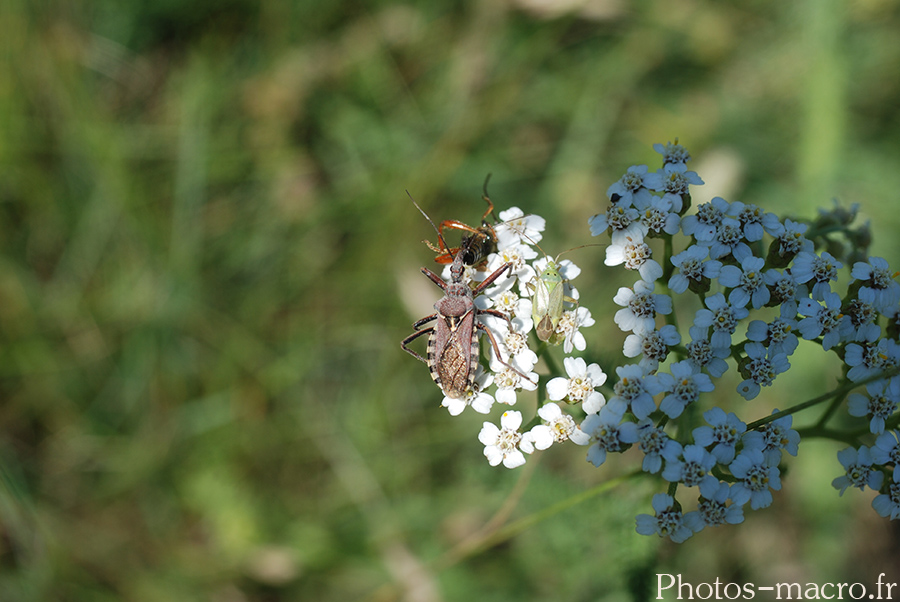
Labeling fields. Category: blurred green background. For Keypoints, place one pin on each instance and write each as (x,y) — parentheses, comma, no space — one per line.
(208,259)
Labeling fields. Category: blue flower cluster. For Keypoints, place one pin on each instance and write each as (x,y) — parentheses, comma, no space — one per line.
(736,259)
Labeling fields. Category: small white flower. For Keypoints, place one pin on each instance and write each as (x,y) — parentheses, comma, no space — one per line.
(729,240)
(518,255)
(772,438)
(880,404)
(859,472)
(871,356)
(827,321)
(503,444)
(508,381)
(668,521)
(672,178)
(569,327)
(653,442)
(821,270)
(516,344)
(511,304)
(879,280)
(705,223)
(640,307)
(659,217)
(672,153)
(862,313)
(579,386)
(692,468)
(682,387)
(791,241)
(653,346)
(703,355)
(605,433)
(755,479)
(631,393)
(723,318)
(779,336)
(760,369)
(518,228)
(632,183)
(618,219)
(785,290)
(498,329)
(724,433)
(746,282)
(636,255)
(693,268)
(561,426)
(754,221)
(712,508)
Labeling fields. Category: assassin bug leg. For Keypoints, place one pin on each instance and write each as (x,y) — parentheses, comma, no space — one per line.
(405,342)
(418,323)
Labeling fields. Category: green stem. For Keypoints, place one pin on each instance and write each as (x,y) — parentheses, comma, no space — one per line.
(526,522)
(841,390)
(831,409)
(668,266)
(673,488)
(544,352)
(824,433)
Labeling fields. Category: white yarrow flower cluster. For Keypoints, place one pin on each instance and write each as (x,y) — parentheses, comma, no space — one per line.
(723,263)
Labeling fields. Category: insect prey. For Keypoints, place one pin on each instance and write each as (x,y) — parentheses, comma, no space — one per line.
(474,246)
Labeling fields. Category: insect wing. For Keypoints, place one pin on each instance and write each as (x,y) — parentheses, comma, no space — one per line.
(547,307)
(543,324)
(452,354)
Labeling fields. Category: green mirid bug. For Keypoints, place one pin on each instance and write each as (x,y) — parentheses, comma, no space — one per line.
(549,296)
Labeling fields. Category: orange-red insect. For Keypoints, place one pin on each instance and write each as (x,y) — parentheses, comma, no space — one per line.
(474,246)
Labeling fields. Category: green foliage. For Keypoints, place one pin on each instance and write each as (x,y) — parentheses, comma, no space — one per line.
(207,260)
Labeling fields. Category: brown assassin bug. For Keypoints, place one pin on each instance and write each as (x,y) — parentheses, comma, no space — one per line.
(452,350)
(475,246)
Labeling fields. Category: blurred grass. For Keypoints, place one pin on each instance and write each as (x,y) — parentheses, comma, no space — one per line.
(207,256)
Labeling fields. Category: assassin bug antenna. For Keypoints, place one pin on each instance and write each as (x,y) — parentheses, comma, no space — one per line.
(443,242)
(426,216)
(422,211)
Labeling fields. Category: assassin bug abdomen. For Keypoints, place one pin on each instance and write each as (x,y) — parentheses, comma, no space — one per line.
(452,351)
